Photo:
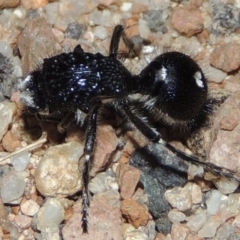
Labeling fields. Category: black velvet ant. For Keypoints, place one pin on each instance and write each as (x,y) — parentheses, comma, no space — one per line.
(173,86)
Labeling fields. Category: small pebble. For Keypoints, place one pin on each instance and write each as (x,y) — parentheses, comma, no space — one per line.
(126,6)
(233,206)
(226,231)
(59,34)
(101,18)
(149,229)
(226,57)
(128,178)
(215,75)
(52,12)
(9,3)
(136,214)
(23,174)
(156,20)
(29,207)
(157,203)
(179,198)
(52,233)
(20,13)
(196,192)
(7,110)
(22,221)
(51,214)
(225,17)
(226,185)
(6,50)
(12,188)
(144,30)
(196,221)
(187,20)
(176,216)
(163,224)
(224,145)
(213,202)
(32,14)
(179,231)
(57,174)
(228,123)
(210,227)
(100,32)
(131,233)
(33,4)
(106,144)
(104,218)
(74,30)
(102,182)
(21,160)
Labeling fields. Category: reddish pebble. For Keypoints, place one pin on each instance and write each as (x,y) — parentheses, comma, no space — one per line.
(226,57)
(187,20)
(128,178)
(160,236)
(33,4)
(9,3)
(136,214)
(106,144)
(104,219)
(10,142)
(228,123)
(15,209)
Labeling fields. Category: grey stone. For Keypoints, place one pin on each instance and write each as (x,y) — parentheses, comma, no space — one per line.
(20,161)
(50,215)
(74,30)
(12,188)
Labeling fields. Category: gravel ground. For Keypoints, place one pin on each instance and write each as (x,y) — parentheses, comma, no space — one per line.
(134,194)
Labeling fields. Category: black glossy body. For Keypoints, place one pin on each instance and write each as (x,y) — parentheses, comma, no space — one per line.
(174,86)
(75,80)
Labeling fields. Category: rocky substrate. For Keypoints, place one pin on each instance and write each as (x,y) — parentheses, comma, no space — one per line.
(134,194)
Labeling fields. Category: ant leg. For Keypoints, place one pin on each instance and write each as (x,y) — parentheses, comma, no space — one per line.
(62,123)
(129,44)
(152,135)
(134,47)
(65,122)
(88,152)
(155,137)
(114,44)
(47,118)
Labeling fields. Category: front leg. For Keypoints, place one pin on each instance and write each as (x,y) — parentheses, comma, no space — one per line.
(114,44)
(88,154)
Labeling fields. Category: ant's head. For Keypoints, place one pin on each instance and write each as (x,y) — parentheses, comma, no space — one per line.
(31,93)
(178,85)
